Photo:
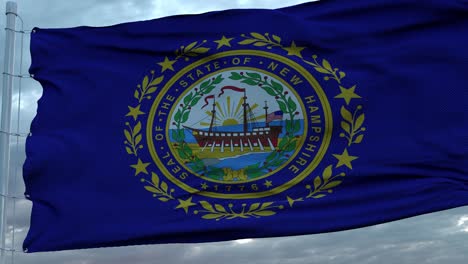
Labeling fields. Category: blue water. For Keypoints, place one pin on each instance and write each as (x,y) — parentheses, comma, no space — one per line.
(242,161)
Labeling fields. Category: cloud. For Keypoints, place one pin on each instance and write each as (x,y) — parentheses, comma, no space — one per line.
(462,223)
(433,238)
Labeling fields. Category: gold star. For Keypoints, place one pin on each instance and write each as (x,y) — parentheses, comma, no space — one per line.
(268,184)
(348,94)
(140,167)
(204,186)
(135,112)
(345,159)
(185,204)
(167,64)
(223,42)
(294,50)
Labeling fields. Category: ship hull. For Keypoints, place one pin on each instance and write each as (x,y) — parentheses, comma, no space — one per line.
(259,139)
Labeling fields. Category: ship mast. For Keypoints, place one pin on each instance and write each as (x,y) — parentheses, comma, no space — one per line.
(266,114)
(213,116)
(245,112)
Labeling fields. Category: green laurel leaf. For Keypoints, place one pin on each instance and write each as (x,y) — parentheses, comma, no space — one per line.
(152,189)
(137,129)
(292,105)
(253,75)
(129,150)
(342,74)
(182,154)
(327,65)
(269,90)
(278,87)
(205,84)
(359,121)
(265,213)
(359,139)
(281,144)
(235,76)
(346,127)
(220,208)
(283,106)
(145,83)
(258,36)
(195,101)
(260,44)
(211,216)
(331,185)
(265,205)
(278,39)
(155,179)
(190,46)
(175,135)
(247,41)
(187,150)
(185,117)
(151,90)
(209,89)
(218,79)
(163,199)
(317,182)
(254,206)
(164,186)
(327,173)
(318,196)
(188,98)
(181,134)
(207,206)
(201,50)
(157,81)
(289,125)
(346,115)
(138,139)
(297,126)
(178,115)
(136,94)
(250,82)
(128,136)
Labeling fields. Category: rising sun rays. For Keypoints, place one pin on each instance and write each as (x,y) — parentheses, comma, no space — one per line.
(228,113)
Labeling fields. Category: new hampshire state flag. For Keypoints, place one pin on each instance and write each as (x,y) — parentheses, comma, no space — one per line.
(158,131)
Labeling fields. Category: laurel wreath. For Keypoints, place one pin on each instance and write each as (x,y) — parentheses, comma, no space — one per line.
(193,49)
(322,185)
(218,212)
(159,188)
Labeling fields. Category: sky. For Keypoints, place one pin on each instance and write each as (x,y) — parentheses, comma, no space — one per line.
(440,237)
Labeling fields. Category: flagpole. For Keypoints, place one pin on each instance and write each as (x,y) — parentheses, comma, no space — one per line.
(5,124)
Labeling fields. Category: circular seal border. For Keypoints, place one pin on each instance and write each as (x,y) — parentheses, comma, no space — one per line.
(215,73)
(320,153)
(322,185)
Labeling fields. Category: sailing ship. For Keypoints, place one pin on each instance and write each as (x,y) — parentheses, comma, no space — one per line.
(252,138)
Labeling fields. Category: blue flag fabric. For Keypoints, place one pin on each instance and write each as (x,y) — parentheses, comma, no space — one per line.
(157,131)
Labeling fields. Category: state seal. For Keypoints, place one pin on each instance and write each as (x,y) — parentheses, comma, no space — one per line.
(242,127)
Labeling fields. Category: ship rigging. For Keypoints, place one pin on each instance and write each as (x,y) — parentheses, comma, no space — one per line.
(252,138)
